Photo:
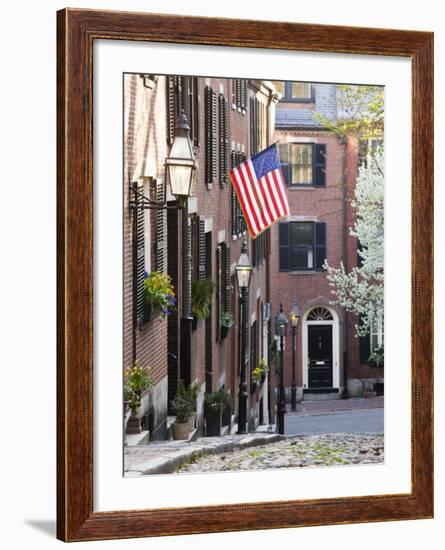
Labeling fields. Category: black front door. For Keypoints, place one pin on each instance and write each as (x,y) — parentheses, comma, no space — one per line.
(320,356)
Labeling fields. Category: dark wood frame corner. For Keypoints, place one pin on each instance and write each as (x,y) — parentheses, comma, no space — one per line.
(77,30)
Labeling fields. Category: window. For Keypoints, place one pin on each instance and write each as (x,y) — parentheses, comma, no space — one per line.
(259,249)
(303,163)
(183,94)
(238,225)
(368,146)
(210,136)
(372,341)
(295,92)
(223,140)
(376,336)
(239,94)
(302,246)
(223,286)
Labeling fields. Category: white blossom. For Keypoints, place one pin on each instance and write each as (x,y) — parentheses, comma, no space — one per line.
(361,289)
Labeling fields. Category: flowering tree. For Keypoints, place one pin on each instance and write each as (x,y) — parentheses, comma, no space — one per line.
(361,290)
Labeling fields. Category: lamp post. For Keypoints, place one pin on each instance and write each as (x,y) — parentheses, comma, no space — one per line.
(294,317)
(280,330)
(180,169)
(243,275)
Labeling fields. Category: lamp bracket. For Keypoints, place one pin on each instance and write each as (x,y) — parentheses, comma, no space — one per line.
(140,202)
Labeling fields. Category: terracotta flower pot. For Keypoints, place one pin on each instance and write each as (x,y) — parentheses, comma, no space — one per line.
(181,430)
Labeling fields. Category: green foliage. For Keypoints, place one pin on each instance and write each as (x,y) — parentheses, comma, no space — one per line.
(360,110)
(227,320)
(159,292)
(260,371)
(202,292)
(225,398)
(377,357)
(182,408)
(189,393)
(218,400)
(137,381)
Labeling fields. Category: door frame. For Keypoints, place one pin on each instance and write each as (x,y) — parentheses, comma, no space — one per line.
(335,344)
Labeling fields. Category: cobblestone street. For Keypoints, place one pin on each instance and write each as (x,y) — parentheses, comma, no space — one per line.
(302,451)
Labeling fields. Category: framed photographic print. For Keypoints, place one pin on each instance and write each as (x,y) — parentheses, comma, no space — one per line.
(244,275)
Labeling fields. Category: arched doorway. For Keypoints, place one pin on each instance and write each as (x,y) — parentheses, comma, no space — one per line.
(321,372)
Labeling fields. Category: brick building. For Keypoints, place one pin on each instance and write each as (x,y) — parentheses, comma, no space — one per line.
(320,170)
(229,120)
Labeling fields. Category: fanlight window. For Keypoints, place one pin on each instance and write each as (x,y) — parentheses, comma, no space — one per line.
(320,314)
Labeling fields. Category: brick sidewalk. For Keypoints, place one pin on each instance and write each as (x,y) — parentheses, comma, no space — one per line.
(334,405)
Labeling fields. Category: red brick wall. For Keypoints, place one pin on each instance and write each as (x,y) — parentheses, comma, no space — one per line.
(144,137)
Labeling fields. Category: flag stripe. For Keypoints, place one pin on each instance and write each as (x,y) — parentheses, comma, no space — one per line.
(243,201)
(270,198)
(283,189)
(251,196)
(280,193)
(275,195)
(259,193)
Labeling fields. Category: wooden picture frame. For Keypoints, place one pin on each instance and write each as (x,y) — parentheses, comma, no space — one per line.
(77,31)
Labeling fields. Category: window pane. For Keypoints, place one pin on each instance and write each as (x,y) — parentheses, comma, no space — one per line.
(301,90)
(298,258)
(302,233)
(301,153)
(279,85)
(283,149)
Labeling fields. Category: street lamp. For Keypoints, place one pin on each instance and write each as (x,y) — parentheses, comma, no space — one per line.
(280,330)
(243,271)
(181,164)
(180,169)
(294,317)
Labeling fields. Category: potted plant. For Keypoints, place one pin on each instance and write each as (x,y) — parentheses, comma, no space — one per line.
(190,393)
(159,294)
(213,413)
(226,323)
(182,409)
(259,372)
(226,405)
(202,292)
(137,381)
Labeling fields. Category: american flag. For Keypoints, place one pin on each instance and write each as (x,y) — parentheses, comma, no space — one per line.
(259,185)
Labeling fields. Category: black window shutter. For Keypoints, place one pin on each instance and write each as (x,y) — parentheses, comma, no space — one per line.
(253,353)
(223,140)
(139,262)
(320,244)
(187,100)
(227,281)
(238,92)
(320,165)
(219,290)
(284,246)
(359,249)
(160,237)
(171,114)
(195,110)
(365,348)
(201,250)
(211,133)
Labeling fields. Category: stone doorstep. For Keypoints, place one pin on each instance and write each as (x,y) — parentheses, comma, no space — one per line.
(168,464)
(137,439)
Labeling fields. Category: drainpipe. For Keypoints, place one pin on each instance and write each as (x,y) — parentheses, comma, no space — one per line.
(344,141)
